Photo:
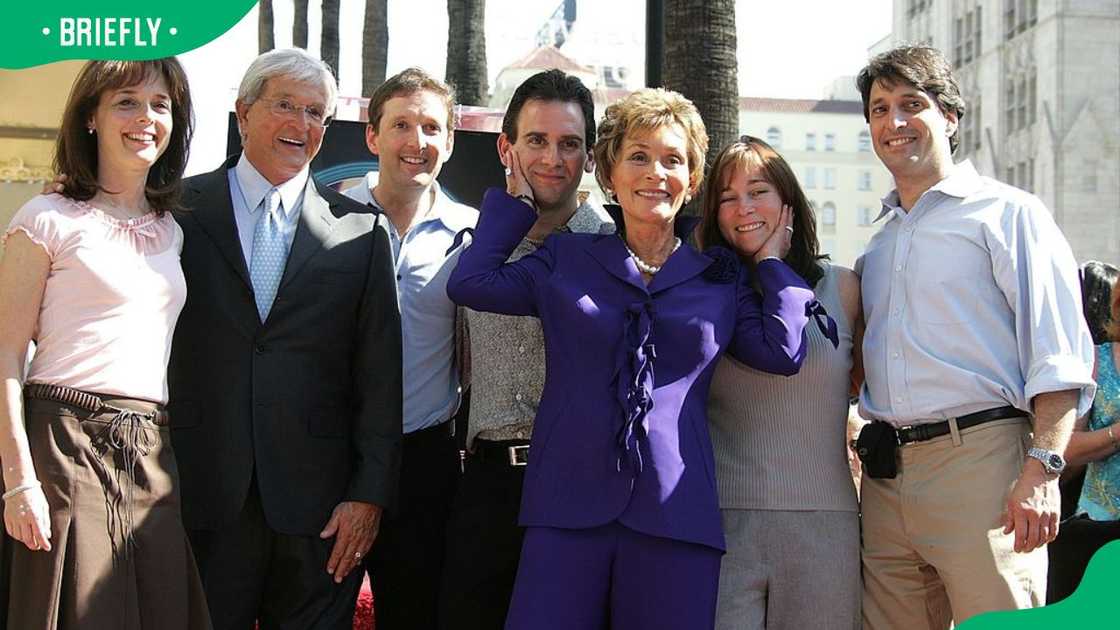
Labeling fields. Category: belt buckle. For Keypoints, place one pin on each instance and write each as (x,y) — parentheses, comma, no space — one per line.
(519,455)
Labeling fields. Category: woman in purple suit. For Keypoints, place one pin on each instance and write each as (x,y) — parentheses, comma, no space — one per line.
(623,523)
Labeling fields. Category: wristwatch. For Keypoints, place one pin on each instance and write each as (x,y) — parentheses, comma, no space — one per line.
(1051,461)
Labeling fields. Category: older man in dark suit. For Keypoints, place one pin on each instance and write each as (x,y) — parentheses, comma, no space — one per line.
(285,370)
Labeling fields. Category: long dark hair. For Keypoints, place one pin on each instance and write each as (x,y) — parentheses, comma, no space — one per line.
(76,149)
(748,153)
(1098,288)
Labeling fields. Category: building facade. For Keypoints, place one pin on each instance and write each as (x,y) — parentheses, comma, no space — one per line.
(829,147)
(1041,80)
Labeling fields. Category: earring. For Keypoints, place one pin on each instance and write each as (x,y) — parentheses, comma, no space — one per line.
(90,130)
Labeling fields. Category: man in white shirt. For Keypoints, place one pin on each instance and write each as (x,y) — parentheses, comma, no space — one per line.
(977,363)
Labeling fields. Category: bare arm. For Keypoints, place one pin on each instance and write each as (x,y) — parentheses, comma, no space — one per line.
(23,277)
(1034,505)
(1091,446)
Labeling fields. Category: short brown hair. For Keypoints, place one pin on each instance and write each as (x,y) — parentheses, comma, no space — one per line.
(923,67)
(646,110)
(405,83)
(747,153)
(75,152)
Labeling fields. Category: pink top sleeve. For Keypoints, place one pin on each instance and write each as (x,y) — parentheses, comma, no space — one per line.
(113,294)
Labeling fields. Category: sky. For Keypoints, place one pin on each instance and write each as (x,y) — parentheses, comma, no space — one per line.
(806,44)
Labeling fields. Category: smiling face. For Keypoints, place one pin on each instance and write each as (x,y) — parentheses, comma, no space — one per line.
(909,131)
(750,208)
(278,145)
(650,178)
(133,125)
(553,150)
(412,140)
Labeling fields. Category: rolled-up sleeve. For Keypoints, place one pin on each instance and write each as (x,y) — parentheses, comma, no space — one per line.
(1037,273)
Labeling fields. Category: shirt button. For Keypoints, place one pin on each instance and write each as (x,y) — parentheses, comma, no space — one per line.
(521,349)
(518,397)
(896,311)
(895,355)
(898,267)
(259,349)
(898,399)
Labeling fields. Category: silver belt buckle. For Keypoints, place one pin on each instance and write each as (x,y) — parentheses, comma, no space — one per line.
(519,455)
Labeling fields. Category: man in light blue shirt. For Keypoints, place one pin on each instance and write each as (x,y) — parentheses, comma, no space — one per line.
(977,362)
(411,130)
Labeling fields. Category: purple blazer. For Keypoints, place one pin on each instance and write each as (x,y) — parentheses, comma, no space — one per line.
(622,430)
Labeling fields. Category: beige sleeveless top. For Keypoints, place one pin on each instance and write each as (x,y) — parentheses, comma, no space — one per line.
(780,441)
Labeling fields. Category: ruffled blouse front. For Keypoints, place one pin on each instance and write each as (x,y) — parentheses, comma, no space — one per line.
(113,294)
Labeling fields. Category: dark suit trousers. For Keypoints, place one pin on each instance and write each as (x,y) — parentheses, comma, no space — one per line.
(406,562)
(483,546)
(252,572)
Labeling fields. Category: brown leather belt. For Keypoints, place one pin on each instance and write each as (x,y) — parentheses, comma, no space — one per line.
(923,432)
(95,403)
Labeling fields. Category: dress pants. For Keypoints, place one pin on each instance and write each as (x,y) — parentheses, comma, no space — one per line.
(406,562)
(251,572)
(483,546)
(613,577)
(934,550)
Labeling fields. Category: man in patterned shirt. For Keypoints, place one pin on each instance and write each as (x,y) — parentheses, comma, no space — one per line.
(550,125)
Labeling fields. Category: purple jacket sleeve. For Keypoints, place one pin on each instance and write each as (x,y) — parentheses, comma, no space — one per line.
(770,329)
(483,280)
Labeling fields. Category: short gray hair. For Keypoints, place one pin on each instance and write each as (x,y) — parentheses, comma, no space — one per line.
(292,63)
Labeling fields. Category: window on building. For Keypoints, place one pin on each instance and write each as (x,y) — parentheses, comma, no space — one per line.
(774,137)
(1032,12)
(1009,19)
(1021,104)
(829,142)
(1032,97)
(865,217)
(1021,176)
(828,218)
(1009,106)
(977,124)
(1089,177)
(958,41)
(1010,177)
(968,37)
(864,182)
(978,31)
(810,177)
(810,141)
(1030,176)
(864,142)
(829,179)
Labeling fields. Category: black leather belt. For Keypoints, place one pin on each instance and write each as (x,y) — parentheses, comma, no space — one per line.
(95,403)
(506,452)
(923,432)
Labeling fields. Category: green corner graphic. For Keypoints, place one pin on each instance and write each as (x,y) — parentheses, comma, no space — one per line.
(1091,606)
(41,32)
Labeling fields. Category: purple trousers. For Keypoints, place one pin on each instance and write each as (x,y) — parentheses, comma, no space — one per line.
(613,577)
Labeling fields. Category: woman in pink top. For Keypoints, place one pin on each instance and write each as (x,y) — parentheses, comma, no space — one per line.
(92,276)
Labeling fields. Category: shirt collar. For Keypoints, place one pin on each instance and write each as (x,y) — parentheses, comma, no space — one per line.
(254,186)
(454,216)
(962,181)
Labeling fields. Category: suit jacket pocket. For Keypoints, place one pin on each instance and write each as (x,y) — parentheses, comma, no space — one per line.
(184,414)
(329,422)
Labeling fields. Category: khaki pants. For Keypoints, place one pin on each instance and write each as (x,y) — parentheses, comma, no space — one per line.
(934,550)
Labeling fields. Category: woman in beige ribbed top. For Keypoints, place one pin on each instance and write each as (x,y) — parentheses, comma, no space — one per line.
(789,506)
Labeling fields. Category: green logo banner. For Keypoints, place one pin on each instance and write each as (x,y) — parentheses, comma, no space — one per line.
(36,33)
(1091,606)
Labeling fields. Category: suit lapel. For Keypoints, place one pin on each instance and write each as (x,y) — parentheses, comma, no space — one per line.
(683,265)
(316,221)
(213,210)
(611,254)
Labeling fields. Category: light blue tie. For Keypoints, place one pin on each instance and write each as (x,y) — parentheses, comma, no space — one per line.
(270,253)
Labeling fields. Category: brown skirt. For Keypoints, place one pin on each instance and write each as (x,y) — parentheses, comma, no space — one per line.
(119,555)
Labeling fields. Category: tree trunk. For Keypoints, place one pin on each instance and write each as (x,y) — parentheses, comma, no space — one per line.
(375,45)
(266,39)
(466,50)
(701,63)
(328,40)
(299,25)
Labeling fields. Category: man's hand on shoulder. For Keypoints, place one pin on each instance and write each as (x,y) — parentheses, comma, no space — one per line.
(354,524)
(1033,507)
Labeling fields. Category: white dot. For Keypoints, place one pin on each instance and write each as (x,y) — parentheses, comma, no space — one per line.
(173,31)
(46,30)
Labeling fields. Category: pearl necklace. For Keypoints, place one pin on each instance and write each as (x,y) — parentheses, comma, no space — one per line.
(645,267)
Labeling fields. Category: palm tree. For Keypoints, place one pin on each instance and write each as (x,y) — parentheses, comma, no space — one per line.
(701,63)
(299,25)
(266,39)
(466,50)
(375,45)
(328,40)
